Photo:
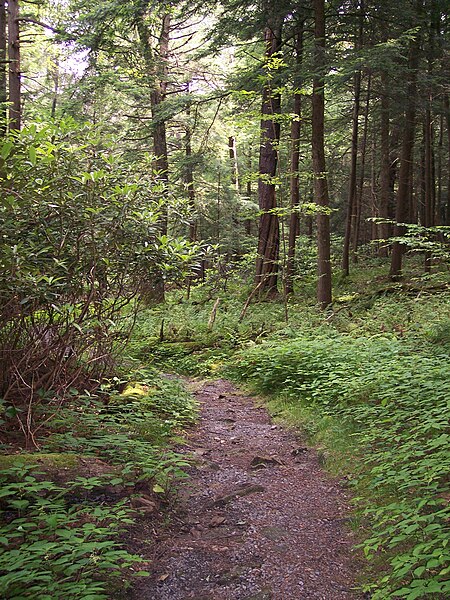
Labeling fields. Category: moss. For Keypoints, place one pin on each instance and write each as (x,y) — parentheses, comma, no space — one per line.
(64,460)
(137,389)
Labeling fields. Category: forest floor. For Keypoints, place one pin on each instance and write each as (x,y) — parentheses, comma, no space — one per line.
(258,519)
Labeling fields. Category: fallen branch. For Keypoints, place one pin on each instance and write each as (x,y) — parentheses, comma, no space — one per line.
(213,315)
(249,299)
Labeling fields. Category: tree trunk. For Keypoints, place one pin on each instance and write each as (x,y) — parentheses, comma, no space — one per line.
(157,69)
(429,182)
(447,113)
(234,163)
(351,206)
(318,156)
(189,182)
(401,209)
(157,96)
(14,65)
(360,191)
(385,172)
(269,231)
(3,58)
(295,162)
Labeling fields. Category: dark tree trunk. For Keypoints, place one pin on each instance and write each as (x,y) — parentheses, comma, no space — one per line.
(351,205)
(55,77)
(429,181)
(3,55)
(447,113)
(385,172)
(14,65)
(157,69)
(157,96)
(360,191)
(232,152)
(295,162)
(189,182)
(318,155)
(404,175)
(269,230)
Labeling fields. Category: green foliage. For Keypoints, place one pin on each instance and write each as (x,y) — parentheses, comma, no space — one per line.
(52,547)
(396,400)
(61,539)
(79,242)
(130,430)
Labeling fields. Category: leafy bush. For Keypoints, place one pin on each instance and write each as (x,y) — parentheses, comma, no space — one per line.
(397,402)
(131,430)
(54,549)
(61,539)
(79,241)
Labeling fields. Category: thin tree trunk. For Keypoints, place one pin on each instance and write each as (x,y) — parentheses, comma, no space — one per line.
(318,155)
(447,112)
(295,162)
(439,208)
(14,65)
(360,190)
(3,55)
(189,182)
(234,162)
(55,77)
(429,187)
(404,175)
(351,206)
(249,192)
(269,230)
(385,171)
(157,96)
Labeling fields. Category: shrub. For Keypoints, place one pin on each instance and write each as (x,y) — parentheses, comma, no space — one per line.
(79,242)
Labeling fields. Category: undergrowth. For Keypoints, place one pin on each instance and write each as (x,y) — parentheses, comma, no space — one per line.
(394,403)
(370,384)
(65,507)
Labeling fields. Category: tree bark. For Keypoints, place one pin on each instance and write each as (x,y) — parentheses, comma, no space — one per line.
(14,65)
(189,182)
(233,163)
(157,96)
(318,156)
(295,162)
(401,209)
(385,171)
(360,191)
(429,209)
(269,230)
(351,206)
(447,113)
(3,56)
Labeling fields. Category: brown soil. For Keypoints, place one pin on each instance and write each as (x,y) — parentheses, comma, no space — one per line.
(258,519)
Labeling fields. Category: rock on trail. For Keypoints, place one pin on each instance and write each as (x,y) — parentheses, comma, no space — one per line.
(257,520)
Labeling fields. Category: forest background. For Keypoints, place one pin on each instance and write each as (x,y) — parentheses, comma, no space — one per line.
(259,188)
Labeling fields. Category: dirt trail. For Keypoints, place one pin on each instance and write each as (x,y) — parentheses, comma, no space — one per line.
(258,519)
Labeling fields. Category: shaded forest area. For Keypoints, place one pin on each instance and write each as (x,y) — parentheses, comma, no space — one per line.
(259,190)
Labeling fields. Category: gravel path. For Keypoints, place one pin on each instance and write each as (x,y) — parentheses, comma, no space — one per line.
(258,519)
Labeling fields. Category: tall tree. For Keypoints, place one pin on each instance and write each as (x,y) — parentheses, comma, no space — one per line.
(295,159)
(318,157)
(269,229)
(351,206)
(3,62)
(404,176)
(14,65)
